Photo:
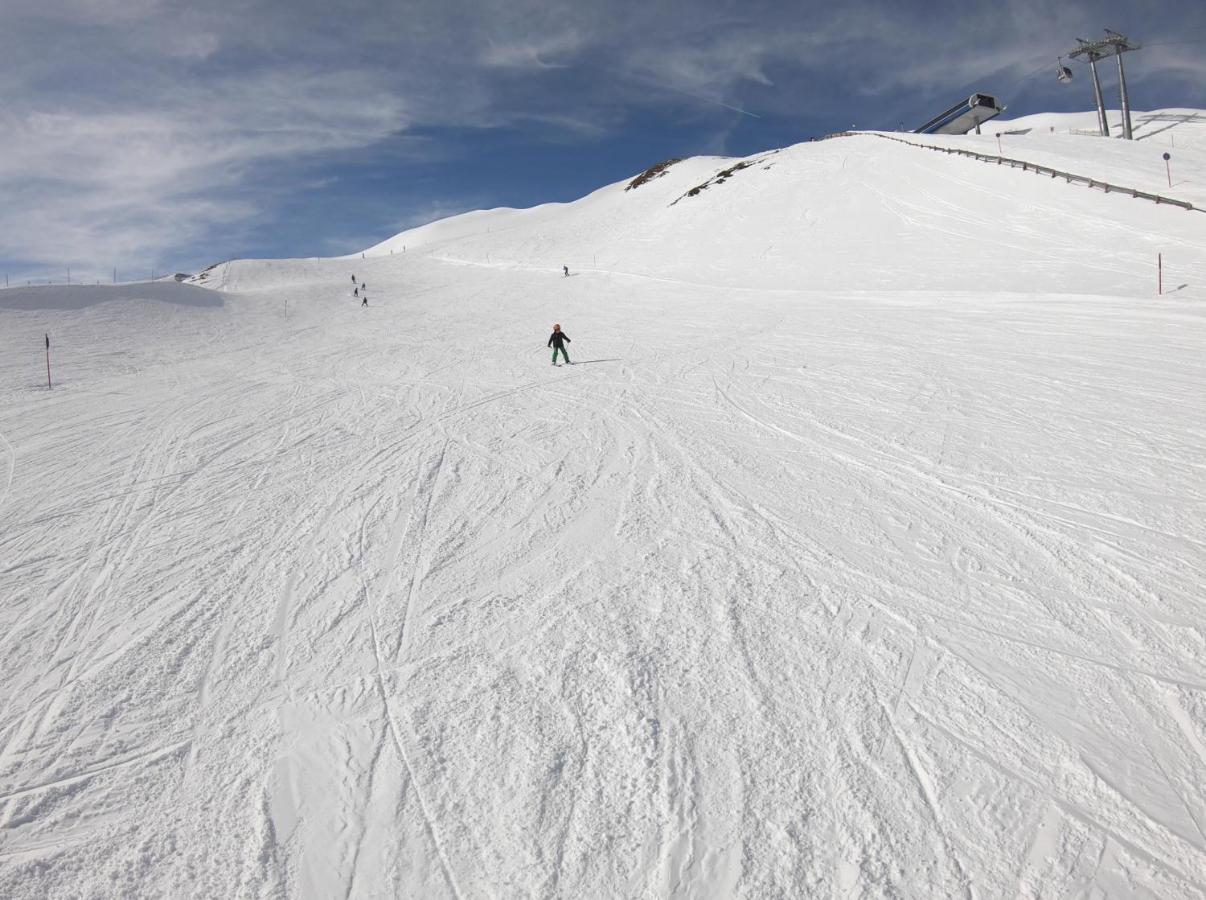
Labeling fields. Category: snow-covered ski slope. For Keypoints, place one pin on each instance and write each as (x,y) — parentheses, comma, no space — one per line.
(860,553)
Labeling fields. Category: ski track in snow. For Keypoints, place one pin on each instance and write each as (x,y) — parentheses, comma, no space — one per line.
(784,589)
(10,466)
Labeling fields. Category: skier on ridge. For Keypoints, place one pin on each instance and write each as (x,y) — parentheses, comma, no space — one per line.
(556,340)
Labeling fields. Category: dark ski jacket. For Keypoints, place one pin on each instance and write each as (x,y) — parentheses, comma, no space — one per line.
(556,338)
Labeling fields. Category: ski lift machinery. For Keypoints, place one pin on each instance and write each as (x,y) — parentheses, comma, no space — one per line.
(963,117)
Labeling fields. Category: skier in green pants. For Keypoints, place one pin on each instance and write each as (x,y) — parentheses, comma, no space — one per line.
(556,341)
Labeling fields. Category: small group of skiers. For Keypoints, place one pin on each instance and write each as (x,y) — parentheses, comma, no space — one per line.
(557,340)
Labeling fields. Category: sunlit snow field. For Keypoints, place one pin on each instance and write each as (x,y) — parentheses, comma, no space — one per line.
(859,553)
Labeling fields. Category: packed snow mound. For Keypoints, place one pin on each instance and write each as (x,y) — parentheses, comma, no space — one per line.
(842,213)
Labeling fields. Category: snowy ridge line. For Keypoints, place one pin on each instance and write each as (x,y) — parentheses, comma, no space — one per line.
(1069,177)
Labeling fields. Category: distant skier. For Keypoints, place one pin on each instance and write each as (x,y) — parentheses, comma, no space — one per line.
(356,292)
(566,270)
(557,341)
(364,300)
(353,279)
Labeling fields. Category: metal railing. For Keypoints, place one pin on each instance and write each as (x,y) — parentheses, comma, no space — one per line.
(1027,166)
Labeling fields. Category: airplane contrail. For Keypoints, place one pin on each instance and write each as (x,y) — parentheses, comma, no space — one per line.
(744,112)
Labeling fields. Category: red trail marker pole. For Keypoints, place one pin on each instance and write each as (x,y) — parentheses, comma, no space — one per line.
(48,385)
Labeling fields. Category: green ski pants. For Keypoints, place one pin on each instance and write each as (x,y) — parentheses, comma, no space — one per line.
(564,355)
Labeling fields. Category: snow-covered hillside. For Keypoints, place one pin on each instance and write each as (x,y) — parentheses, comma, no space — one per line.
(863,213)
(860,553)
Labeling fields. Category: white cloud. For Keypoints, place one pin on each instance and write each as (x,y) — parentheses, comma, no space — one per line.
(1183,61)
(101,187)
(148,128)
(540,53)
(93,11)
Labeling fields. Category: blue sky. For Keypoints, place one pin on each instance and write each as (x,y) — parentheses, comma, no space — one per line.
(164,134)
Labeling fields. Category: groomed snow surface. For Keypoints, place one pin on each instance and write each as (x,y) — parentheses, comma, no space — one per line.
(859,554)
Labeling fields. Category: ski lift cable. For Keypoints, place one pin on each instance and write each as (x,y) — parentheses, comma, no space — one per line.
(1084,62)
(1028,75)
